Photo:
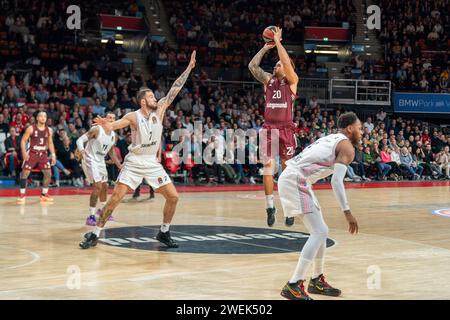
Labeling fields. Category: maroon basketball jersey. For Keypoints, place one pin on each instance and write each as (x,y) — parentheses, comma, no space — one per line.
(39,139)
(279,103)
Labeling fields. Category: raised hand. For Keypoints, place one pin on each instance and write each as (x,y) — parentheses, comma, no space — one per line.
(269,46)
(100,121)
(192,62)
(277,35)
(104,123)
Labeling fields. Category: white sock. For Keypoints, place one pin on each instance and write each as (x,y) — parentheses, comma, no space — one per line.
(319,260)
(165,227)
(301,270)
(269,201)
(318,267)
(91,211)
(22,192)
(97,231)
(102,204)
(44,190)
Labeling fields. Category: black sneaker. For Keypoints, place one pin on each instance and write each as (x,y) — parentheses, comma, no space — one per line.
(271,212)
(90,240)
(136,194)
(289,221)
(295,291)
(164,237)
(320,286)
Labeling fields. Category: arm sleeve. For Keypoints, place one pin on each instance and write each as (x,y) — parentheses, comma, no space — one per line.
(337,182)
(81,141)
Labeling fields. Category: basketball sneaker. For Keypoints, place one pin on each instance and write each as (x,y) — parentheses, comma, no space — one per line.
(99,213)
(320,286)
(90,240)
(91,221)
(295,291)
(289,221)
(21,200)
(271,213)
(164,237)
(46,199)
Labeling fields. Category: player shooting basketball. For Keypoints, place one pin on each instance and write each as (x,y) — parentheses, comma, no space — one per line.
(280,89)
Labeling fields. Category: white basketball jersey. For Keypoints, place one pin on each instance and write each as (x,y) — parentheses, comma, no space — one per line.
(98,148)
(317,160)
(146,139)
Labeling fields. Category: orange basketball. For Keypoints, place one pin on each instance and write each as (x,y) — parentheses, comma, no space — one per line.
(268,34)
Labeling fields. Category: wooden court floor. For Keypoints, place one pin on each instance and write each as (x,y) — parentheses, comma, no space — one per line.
(401,252)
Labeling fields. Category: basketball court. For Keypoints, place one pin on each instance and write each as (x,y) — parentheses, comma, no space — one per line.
(226,250)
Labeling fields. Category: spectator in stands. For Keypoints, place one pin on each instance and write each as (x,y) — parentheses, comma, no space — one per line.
(369,160)
(358,163)
(12,147)
(430,163)
(4,127)
(66,155)
(18,124)
(381,115)
(383,168)
(409,164)
(443,161)
(97,108)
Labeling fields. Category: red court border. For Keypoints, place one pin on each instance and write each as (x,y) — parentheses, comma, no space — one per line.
(14,192)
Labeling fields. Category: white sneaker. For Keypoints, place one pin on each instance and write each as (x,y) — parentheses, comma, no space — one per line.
(347,179)
(252,180)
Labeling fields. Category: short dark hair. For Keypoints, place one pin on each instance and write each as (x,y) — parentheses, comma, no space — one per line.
(347,119)
(141,94)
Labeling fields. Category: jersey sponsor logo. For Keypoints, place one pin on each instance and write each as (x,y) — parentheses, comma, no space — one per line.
(277,105)
(210,239)
(442,212)
(147,145)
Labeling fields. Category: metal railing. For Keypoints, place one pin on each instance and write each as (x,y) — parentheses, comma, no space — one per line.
(368,92)
(335,91)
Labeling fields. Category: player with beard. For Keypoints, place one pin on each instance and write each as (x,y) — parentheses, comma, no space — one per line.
(141,162)
(329,155)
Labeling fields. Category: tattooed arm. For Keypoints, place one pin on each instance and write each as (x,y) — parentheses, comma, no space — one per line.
(254,67)
(165,102)
(291,76)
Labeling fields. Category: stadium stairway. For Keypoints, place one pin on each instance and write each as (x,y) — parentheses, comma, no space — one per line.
(158,21)
(365,36)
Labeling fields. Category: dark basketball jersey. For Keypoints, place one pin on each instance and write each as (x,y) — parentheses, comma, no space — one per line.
(39,139)
(279,103)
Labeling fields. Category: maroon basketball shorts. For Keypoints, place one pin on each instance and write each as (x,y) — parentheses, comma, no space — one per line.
(277,141)
(37,159)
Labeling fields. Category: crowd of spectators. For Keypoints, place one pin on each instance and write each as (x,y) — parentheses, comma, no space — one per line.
(391,148)
(414,35)
(227,34)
